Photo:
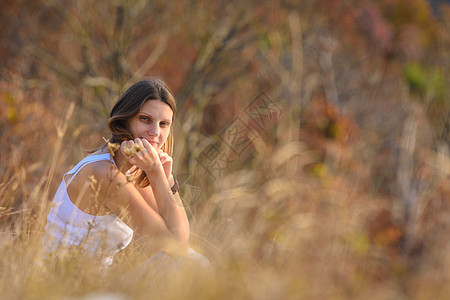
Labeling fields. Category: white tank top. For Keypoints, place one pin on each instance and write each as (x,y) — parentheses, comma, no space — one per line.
(68,226)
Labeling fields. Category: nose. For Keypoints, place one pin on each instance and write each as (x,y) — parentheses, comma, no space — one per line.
(153,130)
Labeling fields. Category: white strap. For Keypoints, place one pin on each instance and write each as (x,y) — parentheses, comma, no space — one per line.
(85,161)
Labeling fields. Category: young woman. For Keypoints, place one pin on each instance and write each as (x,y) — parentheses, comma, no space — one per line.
(126,188)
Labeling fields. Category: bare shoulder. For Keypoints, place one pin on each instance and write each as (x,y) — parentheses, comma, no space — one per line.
(88,187)
(98,170)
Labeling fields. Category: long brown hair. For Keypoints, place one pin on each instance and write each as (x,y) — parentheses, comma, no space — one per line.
(130,104)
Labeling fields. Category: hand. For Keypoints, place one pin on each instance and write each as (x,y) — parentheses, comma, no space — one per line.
(141,154)
(167,163)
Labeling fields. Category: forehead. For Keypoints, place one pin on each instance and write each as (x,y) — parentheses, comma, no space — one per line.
(157,109)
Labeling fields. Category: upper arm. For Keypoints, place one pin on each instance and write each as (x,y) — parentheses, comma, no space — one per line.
(104,185)
(147,194)
(126,201)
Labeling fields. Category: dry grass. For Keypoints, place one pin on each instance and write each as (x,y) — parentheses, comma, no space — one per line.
(319,201)
(275,230)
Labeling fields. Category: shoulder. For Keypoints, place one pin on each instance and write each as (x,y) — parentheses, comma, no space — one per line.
(92,185)
(100,169)
(101,165)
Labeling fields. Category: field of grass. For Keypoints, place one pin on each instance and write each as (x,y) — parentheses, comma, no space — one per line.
(312,148)
(279,229)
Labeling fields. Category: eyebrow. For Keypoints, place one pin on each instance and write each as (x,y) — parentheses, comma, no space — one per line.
(149,115)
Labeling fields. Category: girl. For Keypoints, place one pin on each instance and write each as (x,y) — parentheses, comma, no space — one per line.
(126,188)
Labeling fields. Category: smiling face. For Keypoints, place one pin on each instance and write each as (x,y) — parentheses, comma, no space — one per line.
(152,122)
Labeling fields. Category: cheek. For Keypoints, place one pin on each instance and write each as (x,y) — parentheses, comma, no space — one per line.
(131,127)
(166,134)
(138,128)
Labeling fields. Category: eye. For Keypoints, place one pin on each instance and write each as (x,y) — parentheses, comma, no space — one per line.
(145,118)
(165,124)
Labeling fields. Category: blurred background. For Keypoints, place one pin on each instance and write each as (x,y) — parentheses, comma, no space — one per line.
(311,137)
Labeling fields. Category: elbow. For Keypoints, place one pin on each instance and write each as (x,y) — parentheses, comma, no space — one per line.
(180,236)
(184,246)
(182,242)
(176,246)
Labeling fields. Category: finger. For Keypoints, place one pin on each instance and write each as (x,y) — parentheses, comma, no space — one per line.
(138,146)
(123,146)
(163,159)
(140,155)
(138,141)
(164,156)
(127,148)
(130,143)
(146,144)
(149,146)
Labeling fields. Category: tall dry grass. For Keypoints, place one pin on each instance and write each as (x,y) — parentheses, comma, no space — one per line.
(340,191)
(277,229)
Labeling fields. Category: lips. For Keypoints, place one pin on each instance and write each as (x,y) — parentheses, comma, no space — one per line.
(154,143)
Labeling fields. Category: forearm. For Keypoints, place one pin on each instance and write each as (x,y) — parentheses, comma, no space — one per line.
(181,207)
(170,206)
(179,201)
